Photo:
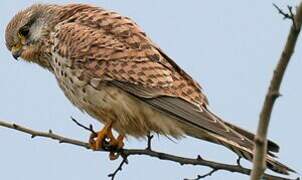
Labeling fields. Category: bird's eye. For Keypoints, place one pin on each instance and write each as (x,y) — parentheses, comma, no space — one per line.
(23,32)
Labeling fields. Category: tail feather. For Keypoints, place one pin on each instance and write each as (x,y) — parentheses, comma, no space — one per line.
(245,152)
(271,145)
(248,154)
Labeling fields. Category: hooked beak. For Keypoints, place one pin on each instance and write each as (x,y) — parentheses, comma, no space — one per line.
(16,51)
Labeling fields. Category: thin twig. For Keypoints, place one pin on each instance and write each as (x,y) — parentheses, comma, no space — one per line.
(238,161)
(290,9)
(119,168)
(289,15)
(90,128)
(205,175)
(273,94)
(149,142)
(135,152)
(50,134)
(285,15)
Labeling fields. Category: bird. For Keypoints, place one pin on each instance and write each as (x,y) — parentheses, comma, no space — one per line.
(108,67)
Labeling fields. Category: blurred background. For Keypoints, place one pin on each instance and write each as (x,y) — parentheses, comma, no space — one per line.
(230,47)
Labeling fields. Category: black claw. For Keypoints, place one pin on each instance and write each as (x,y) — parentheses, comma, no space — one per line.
(16,56)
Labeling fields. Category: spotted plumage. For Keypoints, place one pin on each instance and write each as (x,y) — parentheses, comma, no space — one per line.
(108,67)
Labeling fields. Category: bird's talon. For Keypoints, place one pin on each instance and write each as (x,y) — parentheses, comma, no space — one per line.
(114,155)
(105,140)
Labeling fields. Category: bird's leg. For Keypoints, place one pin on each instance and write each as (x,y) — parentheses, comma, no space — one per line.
(96,140)
(118,144)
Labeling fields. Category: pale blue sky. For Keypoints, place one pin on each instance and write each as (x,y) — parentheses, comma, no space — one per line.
(230,47)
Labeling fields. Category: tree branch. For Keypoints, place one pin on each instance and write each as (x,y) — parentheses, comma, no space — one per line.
(125,153)
(204,176)
(289,15)
(273,92)
(119,168)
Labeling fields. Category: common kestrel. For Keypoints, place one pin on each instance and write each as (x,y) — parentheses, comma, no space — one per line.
(109,68)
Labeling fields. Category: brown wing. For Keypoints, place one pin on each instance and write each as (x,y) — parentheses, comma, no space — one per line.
(106,46)
(109,43)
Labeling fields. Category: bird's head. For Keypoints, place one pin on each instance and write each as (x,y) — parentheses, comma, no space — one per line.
(26,31)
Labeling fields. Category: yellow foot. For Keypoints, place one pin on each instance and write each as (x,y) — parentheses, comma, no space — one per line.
(105,139)
(116,144)
(96,141)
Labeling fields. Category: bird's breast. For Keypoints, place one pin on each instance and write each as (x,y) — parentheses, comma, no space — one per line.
(105,102)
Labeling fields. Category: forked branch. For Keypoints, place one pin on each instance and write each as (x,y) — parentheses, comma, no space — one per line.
(125,153)
(273,91)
